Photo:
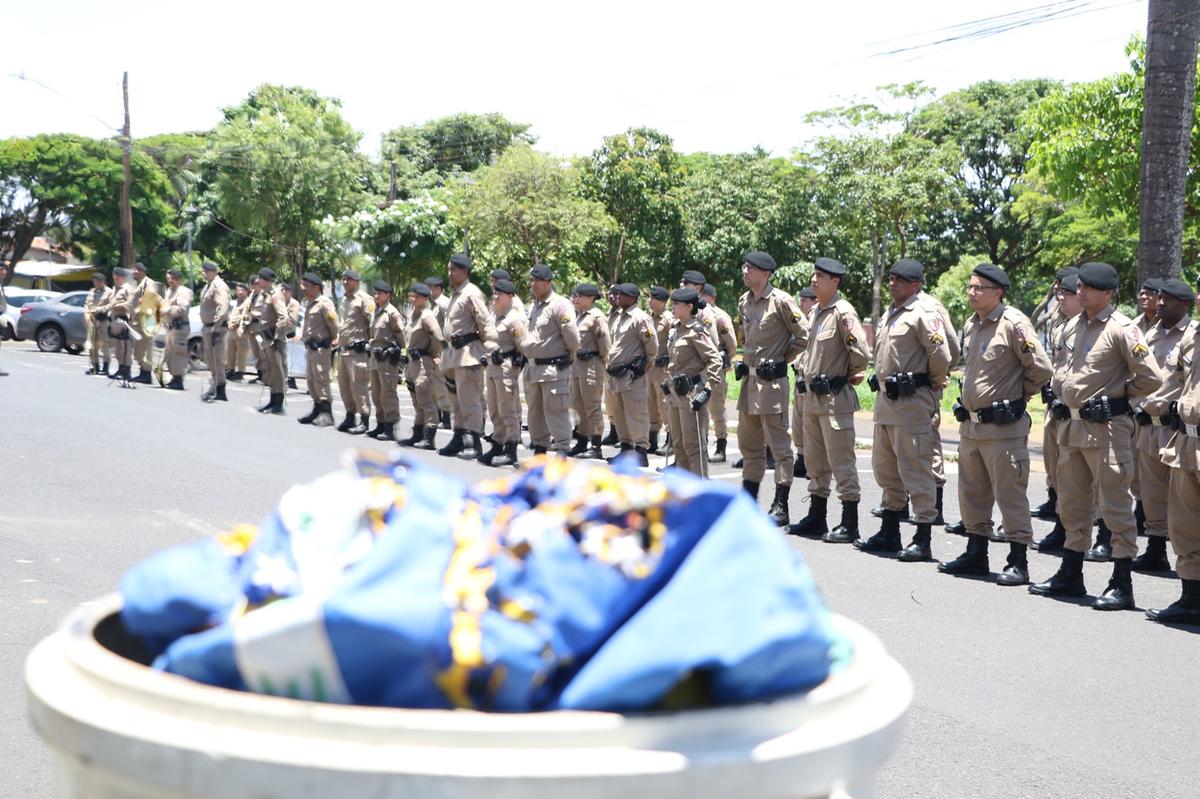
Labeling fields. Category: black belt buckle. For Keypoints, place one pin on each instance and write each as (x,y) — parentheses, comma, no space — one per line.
(1007,411)
(1143,418)
(873,383)
(801,387)
(891,387)
(682,384)
(820,386)
(1059,410)
(960,411)
(1047,394)
(661,361)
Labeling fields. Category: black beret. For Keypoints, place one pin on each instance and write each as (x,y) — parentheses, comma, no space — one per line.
(505,286)
(461,259)
(209,266)
(98,275)
(501,274)
(173,272)
(311,277)
(120,271)
(586,290)
(421,289)
(708,290)
(613,287)
(908,269)
(382,285)
(685,295)
(630,289)
(830,267)
(1177,289)
(1070,283)
(761,259)
(1152,284)
(993,273)
(434,280)
(659,293)
(350,274)
(541,272)
(1065,272)
(1098,276)
(140,265)
(266,273)
(807,293)
(692,276)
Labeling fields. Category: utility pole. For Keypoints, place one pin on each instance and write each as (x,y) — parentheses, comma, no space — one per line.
(127,184)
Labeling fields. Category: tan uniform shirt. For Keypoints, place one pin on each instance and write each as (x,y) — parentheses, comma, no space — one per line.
(239,313)
(726,338)
(424,335)
(694,354)
(911,338)
(663,323)
(1108,356)
(295,314)
(214,302)
(510,329)
(272,318)
(1164,343)
(387,327)
(773,329)
(551,333)
(952,339)
(97,300)
(1180,451)
(176,303)
(1144,323)
(1004,361)
(355,318)
(633,336)
(837,347)
(320,322)
(118,305)
(466,313)
(134,298)
(439,307)
(593,338)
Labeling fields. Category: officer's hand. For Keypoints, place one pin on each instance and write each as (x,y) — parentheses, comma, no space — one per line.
(700,398)
(857,378)
(741,370)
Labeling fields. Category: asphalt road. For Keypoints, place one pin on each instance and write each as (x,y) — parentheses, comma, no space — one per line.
(1016,695)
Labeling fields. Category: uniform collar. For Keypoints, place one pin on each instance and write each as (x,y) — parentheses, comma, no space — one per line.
(766,292)
(910,301)
(997,312)
(1181,325)
(837,295)
(1100,317)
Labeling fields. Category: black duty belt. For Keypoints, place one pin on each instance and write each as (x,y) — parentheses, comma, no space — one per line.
(316,345)
(771,370)
(515,356)
(558,361)
(587,355)
(901,384)
(823,385)
(1098,409)
(683,384)
(1166,420)
(177,324)
(211,325)
(355,346)
(661,361)
(416,354)
(463,339)
(1000,413)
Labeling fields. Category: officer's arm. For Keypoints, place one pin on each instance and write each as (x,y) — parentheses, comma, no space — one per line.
(485,325)
(855,339)
(565,320)
(936,347)
(1028,347)
(1172,374)
(712,361)
(797,325)
(728,339)
(603,340)
(951,335)
(649,339)
(1145,376)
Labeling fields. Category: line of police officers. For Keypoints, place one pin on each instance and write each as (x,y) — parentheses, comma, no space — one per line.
(1122,396)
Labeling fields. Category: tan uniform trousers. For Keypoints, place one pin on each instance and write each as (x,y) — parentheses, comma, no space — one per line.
(587,402)
(354,381)
(441,394)
(121,343)
(550,412)
(995,470)
(176,353)
(318,365)
(1155,479)
(902,459)
(716,407)
(141,350)
(755,433)
(421,390)
(631,413)
(1135,484)
(237,351)
(214,352)
(98,343)
(655,401)
(939,460)
(467,398)
(1183,519)
(1050,451)
(687,426)
(798,423)
(504,406)
(271,362)
(1111,469)
(384,382)
(829,453)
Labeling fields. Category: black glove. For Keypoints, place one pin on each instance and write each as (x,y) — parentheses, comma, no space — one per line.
(666,387)
(700,399)
(740,370)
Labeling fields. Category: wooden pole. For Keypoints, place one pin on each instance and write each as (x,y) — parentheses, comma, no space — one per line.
(127,183)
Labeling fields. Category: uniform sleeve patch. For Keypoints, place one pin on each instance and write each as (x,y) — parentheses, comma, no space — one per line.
(564,319)
(847,324)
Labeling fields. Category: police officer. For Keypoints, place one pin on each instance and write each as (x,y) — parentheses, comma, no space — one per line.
(774,332)
(1109,366)
(1148,304)
(425,341)
(354,332)
(319,331)
(1153,419)
(939,461)
(253,312)
(143,346)
(727,344)
(469,330)
(176,304)
(97,323)
(612,439)
(503,274)
(438,303)
(550,343)
(295,315)
(634,348)
(270,325)
(835,362)
(1056,319)
(807,299)
(1005,366)
(239,341)
(694,371)
(912,361)
(657,303)
(505,362)
(587,372)
(118,309)
(5,326)
(214,327)
(386,350)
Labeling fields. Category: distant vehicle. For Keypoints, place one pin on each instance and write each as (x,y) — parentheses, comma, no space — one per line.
(55,323)
(18,298)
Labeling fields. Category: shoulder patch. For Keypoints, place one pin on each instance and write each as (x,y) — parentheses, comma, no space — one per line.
(564,319)
(1137,346)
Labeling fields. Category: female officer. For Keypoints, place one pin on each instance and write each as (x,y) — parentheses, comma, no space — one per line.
(693,373)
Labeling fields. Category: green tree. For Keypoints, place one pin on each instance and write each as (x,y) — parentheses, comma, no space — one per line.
(425,155)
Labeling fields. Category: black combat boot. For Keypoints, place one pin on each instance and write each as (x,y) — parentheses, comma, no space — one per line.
(308,417)
(538,450)
(920,550)
(654,450)
(324,415)
(1016,570)
(1054,540)
(1067,581)
(104,368)
(750,488)
(887,540)
(427,440)
(143,377)
(958,528)
(1102,551)
(507,456)
(444,419)
(643,456)
(972,562)
(472,447)
(847,531)
(612,438)
(268,405)
(208,395)
(219,396)
(581,444)
(815,523)
(594,451)
(418,432)
(798,468)
(1139,518)
(1185,610)
(1154,559)
(1119,593)
(779,506)
(770,459)
(388,433)
(939,519)
(495,449)
(361,427)
(376,430)
(291,383)
(455,445)
(1048,510)
(718,455)
(94,369)
(348,422)
(275,406)
(738,463)
(878,510)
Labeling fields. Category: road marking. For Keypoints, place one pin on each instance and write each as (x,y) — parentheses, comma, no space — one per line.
(184,520)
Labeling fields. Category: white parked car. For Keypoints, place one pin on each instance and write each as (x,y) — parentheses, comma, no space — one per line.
(18,297)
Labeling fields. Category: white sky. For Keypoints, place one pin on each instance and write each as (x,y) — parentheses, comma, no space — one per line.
(721,77)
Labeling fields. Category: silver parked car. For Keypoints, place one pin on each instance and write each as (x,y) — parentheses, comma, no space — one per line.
(55,324)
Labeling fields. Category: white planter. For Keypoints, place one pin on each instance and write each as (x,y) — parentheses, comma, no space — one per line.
(120,730)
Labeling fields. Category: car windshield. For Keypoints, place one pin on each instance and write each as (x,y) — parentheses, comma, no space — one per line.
(24,299)
(76,300)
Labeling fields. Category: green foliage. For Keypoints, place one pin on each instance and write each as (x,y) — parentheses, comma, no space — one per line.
(426,155)
(951,288)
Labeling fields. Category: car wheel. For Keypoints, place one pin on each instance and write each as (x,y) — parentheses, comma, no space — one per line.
(196,356)
(50,338)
